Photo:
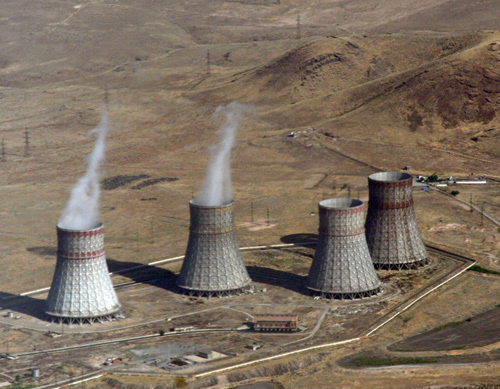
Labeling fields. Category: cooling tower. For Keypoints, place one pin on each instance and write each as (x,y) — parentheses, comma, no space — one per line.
(213,266)
(342,267)
(391,226)
(81,290)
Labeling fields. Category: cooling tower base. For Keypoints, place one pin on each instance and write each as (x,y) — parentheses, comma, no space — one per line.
(345,296)
(216,293)
(402,266)
(82,320)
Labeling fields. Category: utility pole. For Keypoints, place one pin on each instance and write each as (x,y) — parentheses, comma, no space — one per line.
(268,221)
(482,214)
(26,142)
(349,191)
(471,202)
(299,33)
(3,150)
(208,61)
(251,212)
(106,97)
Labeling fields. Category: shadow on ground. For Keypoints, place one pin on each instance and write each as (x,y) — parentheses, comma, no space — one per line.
(43,251)
(22,305)
(302,239)
(150,275)
(290,281)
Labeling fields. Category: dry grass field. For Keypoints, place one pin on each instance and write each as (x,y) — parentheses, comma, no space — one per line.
(364,86)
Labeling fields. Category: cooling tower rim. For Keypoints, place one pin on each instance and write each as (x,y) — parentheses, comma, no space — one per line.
(194,204)
(98,226)
(69,315)
(389,177)
(340,203)
(195,289)
(374,290)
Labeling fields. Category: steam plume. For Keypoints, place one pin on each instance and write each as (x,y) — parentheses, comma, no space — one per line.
(82,210)
(216,189)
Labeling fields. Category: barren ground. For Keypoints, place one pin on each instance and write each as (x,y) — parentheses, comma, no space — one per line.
(368,86)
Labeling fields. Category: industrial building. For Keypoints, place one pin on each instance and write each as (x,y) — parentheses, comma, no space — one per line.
(213,266)
(81,290)
(275,323)
(342,267)
(391,226)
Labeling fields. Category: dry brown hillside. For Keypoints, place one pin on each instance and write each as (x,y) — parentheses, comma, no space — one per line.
(420,89)
(332,65)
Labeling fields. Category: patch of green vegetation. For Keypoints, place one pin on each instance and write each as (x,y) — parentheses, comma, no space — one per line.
(433,178)
(451,324)
(480,269)
(375,360)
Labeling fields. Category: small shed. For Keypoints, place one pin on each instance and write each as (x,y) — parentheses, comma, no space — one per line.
(206,354)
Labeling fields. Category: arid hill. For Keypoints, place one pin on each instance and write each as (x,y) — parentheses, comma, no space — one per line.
(426,89)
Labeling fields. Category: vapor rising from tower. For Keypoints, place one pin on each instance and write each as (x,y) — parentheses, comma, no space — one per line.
(81,289)
(82,210)
(213,265)
(216,188)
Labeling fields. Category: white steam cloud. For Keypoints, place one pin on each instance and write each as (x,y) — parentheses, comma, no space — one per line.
(82,210)
(216,189)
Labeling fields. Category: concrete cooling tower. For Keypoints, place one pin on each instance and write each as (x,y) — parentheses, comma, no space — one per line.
(391,226)
(213,266)
(342,267)
(81,290)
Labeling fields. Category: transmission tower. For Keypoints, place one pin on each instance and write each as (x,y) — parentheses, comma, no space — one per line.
(299,33)
(208,61)
(106,97)
(26,143)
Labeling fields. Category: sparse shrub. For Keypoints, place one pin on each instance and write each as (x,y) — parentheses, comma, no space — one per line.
(376,360)
(480,269)
(454,192)
(180,382)
(433,178)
